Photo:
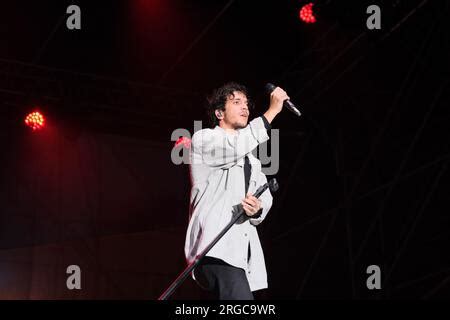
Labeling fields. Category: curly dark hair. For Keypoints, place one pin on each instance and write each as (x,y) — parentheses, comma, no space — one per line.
(218,99)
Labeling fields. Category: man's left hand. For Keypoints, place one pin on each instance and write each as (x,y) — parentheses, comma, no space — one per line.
(251,205)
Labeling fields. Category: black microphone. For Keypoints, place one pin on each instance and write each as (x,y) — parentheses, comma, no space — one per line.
(287,103)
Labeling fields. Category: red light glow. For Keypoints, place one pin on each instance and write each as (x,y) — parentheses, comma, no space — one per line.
(35,120)
(306,13)
(184,141)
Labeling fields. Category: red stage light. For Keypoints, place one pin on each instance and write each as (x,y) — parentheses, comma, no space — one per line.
(186,142)
(307,14)
(35,120)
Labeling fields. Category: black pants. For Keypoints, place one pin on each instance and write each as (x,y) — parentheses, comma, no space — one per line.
(226,282)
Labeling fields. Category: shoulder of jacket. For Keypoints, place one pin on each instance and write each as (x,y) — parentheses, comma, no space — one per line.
(203,135)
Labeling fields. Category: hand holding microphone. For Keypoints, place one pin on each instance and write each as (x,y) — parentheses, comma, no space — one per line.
(278,100)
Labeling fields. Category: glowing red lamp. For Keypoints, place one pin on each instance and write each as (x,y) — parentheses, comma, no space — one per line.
(306,13)
(184,141)
(35,120)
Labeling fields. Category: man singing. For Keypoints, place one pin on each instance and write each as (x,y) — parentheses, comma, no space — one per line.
(224,175)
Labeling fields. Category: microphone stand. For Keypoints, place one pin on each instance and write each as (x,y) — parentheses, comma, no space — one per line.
(272,185)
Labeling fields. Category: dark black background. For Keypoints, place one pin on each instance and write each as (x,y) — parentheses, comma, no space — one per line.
(363,173)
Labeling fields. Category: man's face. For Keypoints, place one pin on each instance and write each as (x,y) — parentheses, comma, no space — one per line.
(236,111)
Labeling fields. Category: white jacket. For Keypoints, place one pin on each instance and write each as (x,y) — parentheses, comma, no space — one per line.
(218,186)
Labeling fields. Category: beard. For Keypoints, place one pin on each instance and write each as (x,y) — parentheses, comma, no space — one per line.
(240,125)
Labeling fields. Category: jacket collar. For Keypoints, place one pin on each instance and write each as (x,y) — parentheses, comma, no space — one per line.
(223,131)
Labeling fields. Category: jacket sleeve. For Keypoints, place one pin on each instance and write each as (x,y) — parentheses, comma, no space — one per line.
(266,202)
(221,151)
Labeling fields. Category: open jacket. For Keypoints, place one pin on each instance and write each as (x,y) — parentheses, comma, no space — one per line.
(218,187)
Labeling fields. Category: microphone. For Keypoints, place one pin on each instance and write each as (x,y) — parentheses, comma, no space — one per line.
(287,103)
